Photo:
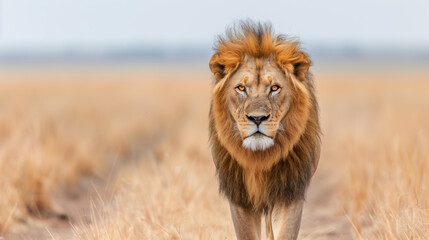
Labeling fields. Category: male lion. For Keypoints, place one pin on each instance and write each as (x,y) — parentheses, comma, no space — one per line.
(264,129)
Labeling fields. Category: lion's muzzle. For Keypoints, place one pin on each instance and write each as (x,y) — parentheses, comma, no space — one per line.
(258,138)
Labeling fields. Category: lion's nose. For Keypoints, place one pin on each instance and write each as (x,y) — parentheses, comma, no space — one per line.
(257,119)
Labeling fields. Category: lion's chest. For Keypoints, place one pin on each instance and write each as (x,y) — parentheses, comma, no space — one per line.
(255,183)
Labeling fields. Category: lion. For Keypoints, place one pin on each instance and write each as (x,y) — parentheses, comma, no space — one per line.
(264,129)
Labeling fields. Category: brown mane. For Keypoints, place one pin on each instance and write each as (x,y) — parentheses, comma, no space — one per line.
(283,172)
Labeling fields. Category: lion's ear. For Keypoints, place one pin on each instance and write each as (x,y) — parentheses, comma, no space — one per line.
(217,69)
(296,62)
(301,64)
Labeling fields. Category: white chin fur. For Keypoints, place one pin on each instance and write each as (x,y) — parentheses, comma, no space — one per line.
(258,142)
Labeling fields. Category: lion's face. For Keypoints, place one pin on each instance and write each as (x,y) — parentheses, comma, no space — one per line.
(259,98)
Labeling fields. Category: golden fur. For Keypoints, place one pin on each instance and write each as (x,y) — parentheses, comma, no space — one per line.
(281,173)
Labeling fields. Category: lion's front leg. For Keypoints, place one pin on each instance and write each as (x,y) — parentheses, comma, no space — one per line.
(287,220)
(247,223)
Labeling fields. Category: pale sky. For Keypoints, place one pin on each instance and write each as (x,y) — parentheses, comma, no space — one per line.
(60,24)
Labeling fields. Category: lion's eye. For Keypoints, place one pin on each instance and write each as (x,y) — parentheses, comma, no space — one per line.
(241,88)
(275,88)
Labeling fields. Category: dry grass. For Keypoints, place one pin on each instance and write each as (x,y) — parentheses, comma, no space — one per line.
(374,158)
(56,128)
(380,131)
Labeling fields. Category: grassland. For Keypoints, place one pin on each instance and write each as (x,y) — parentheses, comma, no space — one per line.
(144,134)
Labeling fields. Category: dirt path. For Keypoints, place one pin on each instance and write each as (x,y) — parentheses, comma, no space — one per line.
(77,203)
(322,217)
